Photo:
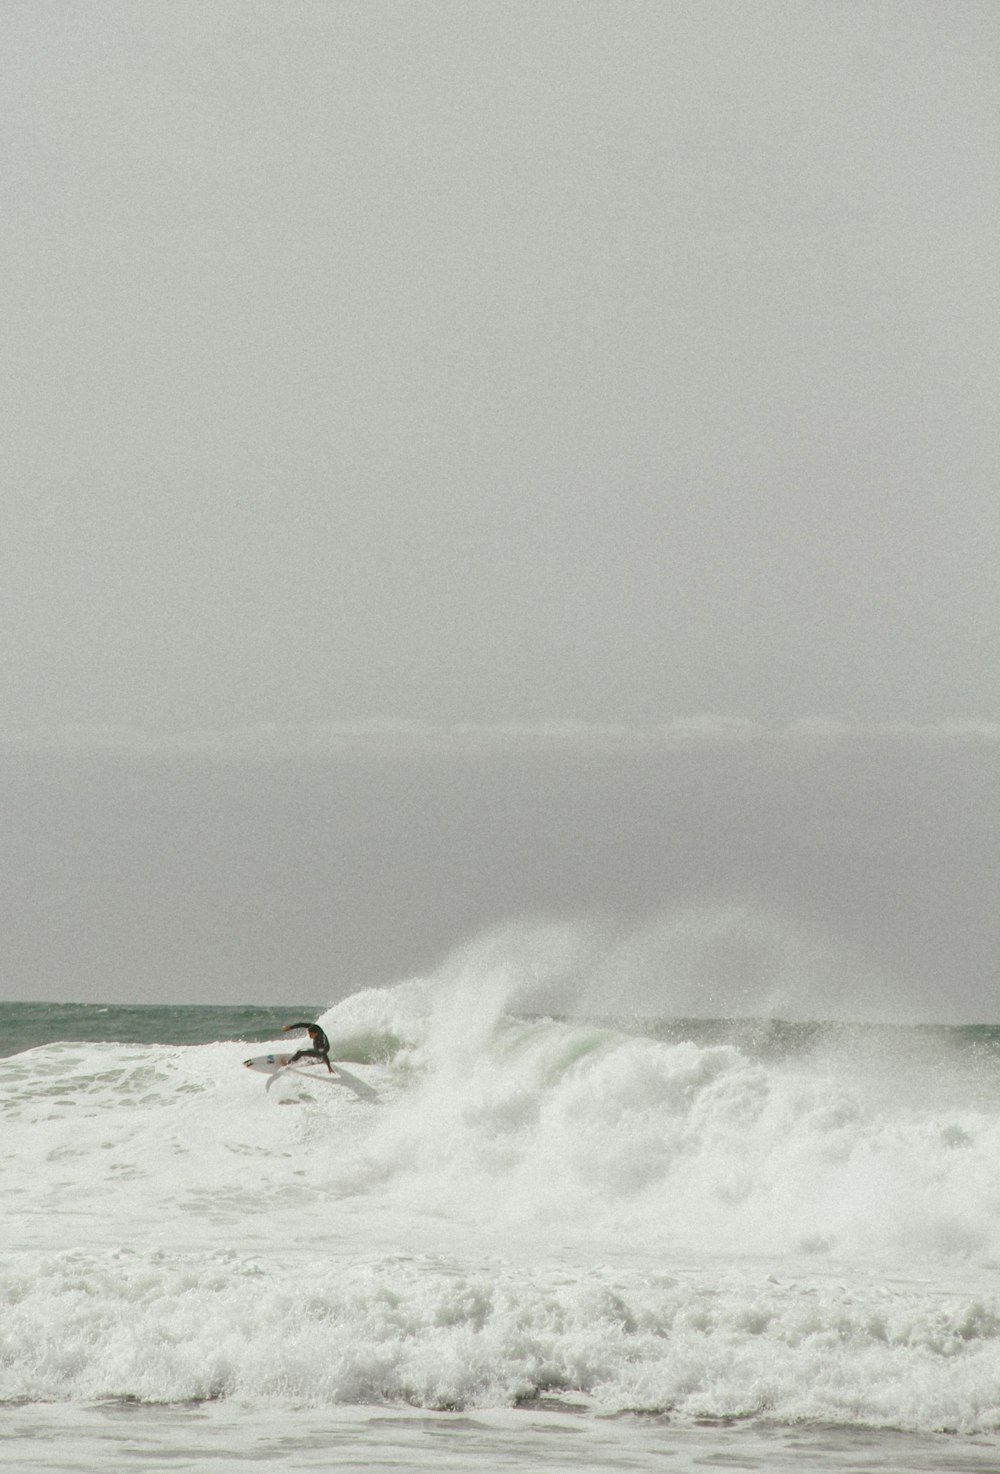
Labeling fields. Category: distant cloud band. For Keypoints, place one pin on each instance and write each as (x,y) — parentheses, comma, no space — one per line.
(402,738)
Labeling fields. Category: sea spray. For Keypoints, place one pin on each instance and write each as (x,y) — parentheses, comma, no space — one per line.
(681,1144)
(694,1219)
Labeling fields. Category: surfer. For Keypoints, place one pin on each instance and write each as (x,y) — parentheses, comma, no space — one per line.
(320,1044)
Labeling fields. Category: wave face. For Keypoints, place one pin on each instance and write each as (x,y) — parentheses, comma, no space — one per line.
(701,1220)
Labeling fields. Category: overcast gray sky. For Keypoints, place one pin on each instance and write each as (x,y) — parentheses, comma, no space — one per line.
(499,361)
(388,384)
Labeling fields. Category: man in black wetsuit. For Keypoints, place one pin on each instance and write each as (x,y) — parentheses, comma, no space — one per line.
(320,1044)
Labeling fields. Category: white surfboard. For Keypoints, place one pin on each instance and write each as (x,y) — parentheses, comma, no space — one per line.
(279,1064)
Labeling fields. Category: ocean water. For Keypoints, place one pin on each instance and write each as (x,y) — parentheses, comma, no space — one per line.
(551,1243)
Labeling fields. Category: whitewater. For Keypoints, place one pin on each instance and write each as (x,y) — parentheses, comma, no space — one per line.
(552,1242)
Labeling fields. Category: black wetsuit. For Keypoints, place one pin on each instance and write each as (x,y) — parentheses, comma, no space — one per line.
(320,1045)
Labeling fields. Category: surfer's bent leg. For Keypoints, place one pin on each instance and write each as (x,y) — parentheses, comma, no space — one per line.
(312,1054)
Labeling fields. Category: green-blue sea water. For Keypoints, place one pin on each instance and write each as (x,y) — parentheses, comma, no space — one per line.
(27,1025)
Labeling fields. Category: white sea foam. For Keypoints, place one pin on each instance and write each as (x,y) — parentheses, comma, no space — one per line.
(170,1327)
(534,1209)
